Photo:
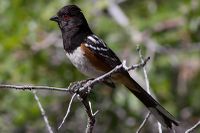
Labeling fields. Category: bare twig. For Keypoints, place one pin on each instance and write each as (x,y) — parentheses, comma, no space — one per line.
(82,92)
(144,70)
(43,113)
(91,116)
(144,122)
(86,86)
(190,130)
(148,90)
(91,109)
(116,69)
(68,110)
(29,87)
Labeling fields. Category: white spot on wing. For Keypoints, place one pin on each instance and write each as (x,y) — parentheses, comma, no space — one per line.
(98,48)
(92,39)
(99,40)
(104,49)
(86,44)
(92,47)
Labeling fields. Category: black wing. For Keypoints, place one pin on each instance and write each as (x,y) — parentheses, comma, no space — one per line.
(101,50)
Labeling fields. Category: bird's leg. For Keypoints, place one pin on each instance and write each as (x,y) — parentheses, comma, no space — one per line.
(74,87)
(85,89)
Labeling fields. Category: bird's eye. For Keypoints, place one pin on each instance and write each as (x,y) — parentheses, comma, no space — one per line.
(65,17)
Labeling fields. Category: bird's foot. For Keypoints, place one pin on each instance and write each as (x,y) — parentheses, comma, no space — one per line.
(78,88)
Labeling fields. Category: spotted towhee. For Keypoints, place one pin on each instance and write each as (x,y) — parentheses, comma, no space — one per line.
(93,57)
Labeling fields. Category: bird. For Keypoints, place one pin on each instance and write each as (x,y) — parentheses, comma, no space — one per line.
(92,57)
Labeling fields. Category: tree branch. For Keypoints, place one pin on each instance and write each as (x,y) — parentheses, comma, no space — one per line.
(115,70)
(83,90)
(190,130)
(148,90)
(43,113)
(29,87)
(91,116)
(143,123)
(68,111)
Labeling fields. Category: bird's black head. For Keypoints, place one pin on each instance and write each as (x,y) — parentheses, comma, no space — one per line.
(70,18)
(73,25)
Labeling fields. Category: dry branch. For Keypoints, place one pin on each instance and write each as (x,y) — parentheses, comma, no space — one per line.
(148,90)
(43,113)
(29,87)
(82,92)
(190,130)
(68,111)
(143,123)
(91,116)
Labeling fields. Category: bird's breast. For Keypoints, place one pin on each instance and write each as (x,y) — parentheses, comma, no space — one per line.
(82,63)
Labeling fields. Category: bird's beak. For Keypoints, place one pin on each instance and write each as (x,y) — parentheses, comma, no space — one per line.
(54,18)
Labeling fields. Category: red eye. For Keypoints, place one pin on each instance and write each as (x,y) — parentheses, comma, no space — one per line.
(65,17)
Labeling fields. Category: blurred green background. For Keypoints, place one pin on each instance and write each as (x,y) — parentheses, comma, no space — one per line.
(31,53)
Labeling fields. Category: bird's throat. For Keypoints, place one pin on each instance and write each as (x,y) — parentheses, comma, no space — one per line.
(73,38)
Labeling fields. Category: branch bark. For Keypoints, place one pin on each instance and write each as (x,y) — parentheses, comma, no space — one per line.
(43,113)
(91,116)
(68,111)
(190,130)
(148,90)
(30,87)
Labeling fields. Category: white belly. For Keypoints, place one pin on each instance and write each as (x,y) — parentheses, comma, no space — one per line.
(79,61)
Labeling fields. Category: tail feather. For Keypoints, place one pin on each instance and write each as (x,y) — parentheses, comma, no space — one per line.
(160,113)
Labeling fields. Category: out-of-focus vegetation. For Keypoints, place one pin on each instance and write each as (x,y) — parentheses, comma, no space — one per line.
(31,53)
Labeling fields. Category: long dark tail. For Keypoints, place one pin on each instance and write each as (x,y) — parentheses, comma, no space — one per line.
(160,113)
